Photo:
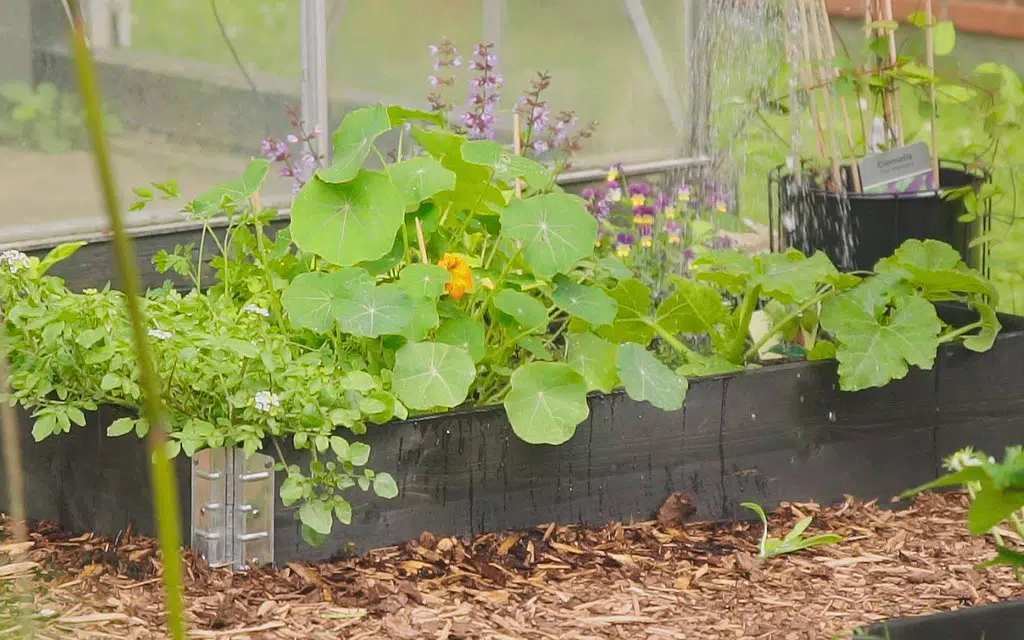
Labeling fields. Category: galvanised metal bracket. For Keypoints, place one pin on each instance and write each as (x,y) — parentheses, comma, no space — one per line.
(233,508)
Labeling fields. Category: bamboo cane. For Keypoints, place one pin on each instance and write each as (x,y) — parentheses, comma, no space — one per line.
(824,132)
(929,39)
(823,34)
(895,105)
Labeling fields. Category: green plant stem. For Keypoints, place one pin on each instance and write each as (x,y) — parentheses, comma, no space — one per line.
(949,336)
(165,489)
(673,341)
(777,328)
(734,349)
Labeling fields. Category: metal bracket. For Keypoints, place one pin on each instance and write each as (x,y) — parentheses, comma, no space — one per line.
(233,508)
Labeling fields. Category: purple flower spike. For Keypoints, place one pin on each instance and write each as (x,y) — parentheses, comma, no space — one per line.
(639,189)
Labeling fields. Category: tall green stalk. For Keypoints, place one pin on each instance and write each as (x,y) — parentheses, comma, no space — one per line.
(165,489)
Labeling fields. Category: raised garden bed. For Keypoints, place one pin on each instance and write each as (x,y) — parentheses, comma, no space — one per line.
(783,432)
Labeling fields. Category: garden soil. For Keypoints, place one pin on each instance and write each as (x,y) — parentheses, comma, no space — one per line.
(667,579)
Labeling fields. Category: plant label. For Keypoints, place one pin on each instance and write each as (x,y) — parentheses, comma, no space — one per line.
(905,170)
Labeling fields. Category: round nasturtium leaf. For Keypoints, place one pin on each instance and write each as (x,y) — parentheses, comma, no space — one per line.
(420,178)
(546,403)
(555,229)
(348,223)
(312,299)
(527,310)
(353,141)
(464,332)
(424,280)
(594,359)
(588,303)
(424,319)
(432,374)
(385,309)
(645,378)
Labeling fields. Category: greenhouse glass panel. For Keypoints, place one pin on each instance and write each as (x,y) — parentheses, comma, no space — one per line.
(191,88)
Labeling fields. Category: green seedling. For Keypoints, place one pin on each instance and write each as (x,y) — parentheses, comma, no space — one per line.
(794,540)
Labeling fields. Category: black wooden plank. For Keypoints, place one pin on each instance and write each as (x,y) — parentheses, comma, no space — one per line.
(467,473)
(1000,621)
(41,473)
(981,397)
(791,434)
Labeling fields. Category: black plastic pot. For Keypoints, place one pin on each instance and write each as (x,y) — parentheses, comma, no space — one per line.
(855,230)
(1003,621)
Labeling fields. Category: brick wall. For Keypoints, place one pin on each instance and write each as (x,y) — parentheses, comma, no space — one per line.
(1004,18)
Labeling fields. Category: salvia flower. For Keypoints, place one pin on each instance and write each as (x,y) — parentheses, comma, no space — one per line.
(266,401)
(260,311)
(14,260)
(159,334)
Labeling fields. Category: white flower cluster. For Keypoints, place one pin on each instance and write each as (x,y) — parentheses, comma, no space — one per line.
(966,457)
(159,334)
(13,260)
(260,311)
(266,401)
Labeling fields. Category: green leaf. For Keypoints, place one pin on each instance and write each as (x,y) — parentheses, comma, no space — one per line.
(291,490)
(944,37)
(374,311)
(236,192)
(631,320)
(731,270)
(424,280)
(343,511)
(595,360)
(991,506)
(692,308)
(527,310)
(927,254)
(359,453)
(432,374)
(44,427)
(714,365)
(875,347)
(311,537)
(110,381)
(385,486)
(507,166)
(790,277)
(466,333)
(546,403)
(58,254)
(555,230)
(317,516)
(536,347)
(120,427)
(588,303)
(352,142)
(398,114)
(647,379)
(614,267)
(424,319)
(420,178)
(822,350)
(314,300)
(348,223)
(990,326)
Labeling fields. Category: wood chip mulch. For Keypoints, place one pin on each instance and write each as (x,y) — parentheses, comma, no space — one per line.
(645,581)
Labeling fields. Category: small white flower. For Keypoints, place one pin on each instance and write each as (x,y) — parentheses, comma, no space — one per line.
(260,311)
(159,334)
(266,401)
(14,260)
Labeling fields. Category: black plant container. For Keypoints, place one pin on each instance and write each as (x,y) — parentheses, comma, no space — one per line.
(856,230)
(1003,621)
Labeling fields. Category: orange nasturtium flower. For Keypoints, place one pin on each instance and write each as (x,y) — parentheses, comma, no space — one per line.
(462,275)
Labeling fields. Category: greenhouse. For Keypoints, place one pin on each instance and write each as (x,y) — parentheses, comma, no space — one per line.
(511,319)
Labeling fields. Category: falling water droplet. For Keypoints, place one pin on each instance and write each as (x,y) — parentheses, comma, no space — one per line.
(831,416)
(753,416)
